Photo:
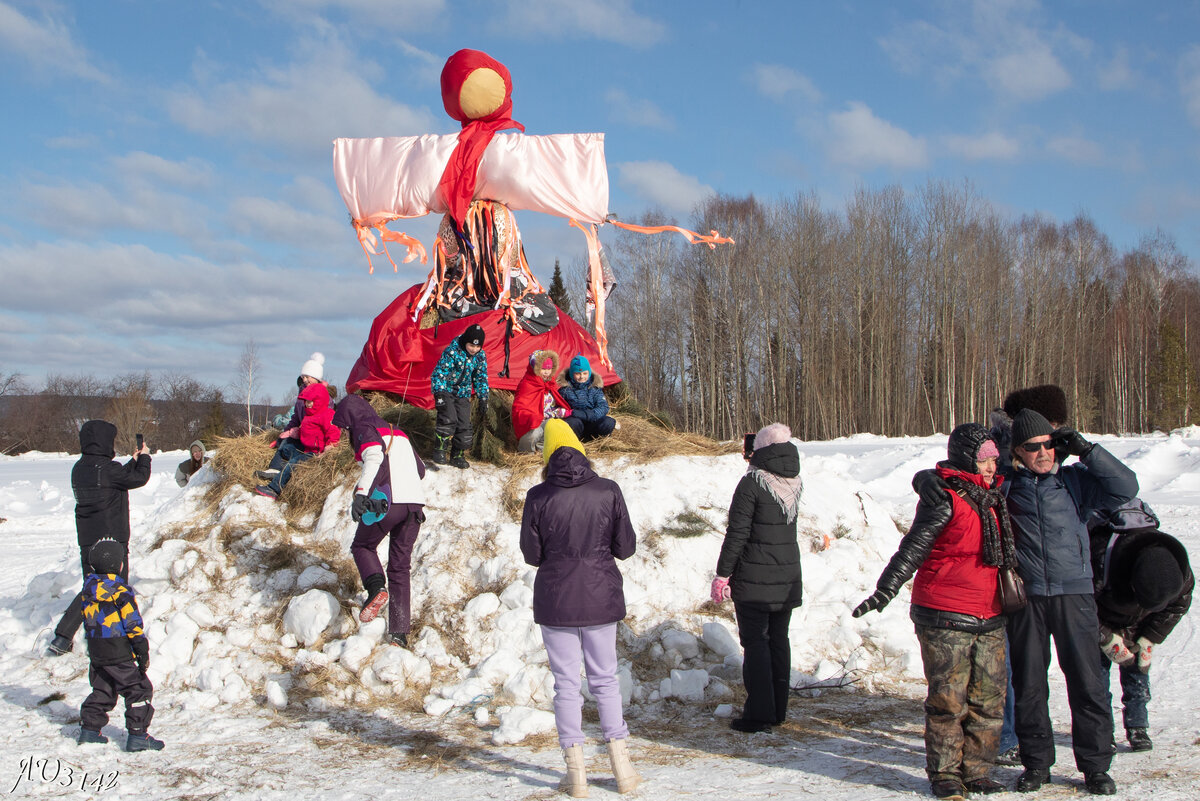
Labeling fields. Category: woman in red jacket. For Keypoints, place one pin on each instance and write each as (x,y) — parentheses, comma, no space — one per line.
(956,547)
(537,400)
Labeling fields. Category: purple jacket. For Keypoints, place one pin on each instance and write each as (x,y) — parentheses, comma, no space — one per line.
(574,524)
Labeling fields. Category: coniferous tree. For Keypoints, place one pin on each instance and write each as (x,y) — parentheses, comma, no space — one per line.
(558,291)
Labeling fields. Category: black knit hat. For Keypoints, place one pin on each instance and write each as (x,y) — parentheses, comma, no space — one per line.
(963,446)
(1048,400)
(1156,578)
(472,336)
(1028,424)
(106,556)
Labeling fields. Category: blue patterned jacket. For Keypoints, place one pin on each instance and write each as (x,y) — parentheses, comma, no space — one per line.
(457,372)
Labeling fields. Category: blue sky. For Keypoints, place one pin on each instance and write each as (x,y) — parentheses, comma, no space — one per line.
(166,191)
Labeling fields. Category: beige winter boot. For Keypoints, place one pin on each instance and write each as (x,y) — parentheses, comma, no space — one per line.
(627,778)
(574,783)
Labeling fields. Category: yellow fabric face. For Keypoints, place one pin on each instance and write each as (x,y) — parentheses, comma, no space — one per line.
(481,94)
(558,435)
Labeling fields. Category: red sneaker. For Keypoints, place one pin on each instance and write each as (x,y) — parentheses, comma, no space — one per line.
(371,610)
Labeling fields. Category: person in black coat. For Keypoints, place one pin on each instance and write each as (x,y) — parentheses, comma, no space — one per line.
(1144,586)
(759,568)
(101,488)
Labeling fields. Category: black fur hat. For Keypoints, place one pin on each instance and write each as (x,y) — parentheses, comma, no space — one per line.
(106,556)
(1048,400)
(1156,579)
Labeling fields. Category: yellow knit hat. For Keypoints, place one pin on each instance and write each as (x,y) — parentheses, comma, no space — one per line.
(559,435)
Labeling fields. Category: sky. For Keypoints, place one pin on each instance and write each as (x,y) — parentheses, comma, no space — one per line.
(167,196)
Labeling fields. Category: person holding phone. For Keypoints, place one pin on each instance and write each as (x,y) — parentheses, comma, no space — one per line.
(101,488)
(759,569)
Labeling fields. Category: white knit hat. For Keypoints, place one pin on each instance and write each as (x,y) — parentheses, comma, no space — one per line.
(315,366)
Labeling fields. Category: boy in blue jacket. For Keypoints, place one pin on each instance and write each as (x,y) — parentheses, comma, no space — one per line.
(118,650)
(584,391)
(461,369)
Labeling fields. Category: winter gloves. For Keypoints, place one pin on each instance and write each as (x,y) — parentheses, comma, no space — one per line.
(141,652)
(1144,654)
(362,504)
(1125,653)
(878,600)
(931,487)
(720,590)
(1071,442)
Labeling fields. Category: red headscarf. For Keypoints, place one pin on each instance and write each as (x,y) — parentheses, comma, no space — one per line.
(476,91)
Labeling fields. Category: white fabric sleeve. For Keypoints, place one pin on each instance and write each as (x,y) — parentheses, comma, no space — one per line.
(372,460)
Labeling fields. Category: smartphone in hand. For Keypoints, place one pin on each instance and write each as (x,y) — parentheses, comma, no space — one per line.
(141,441)
(747,446)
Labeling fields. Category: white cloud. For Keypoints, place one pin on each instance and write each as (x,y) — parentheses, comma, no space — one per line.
(1029,74)
(275,221)
(88,206)
(1117,75)
(1077,150)
(78,142)
(992,145)
(779,82)
(302,106)
(1189,83)
(193,173)
(661,184)
(606,20)
(45,45)
(861,140)
(638,112)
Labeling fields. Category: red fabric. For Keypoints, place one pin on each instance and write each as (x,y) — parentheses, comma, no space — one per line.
(954,578)
(528,410)
(458,180)
(317,431)
(399,357)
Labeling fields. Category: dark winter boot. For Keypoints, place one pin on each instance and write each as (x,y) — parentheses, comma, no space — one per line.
(1032,780)
(90,736)
(1139,740)
(985,786)
(1099,783)
(948,790)
(1009,758)
(59,645)
(141,741)
(441,447)
(400,638)
(458,461)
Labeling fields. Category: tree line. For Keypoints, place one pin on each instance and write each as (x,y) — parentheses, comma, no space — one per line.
(903,313)
(170,410)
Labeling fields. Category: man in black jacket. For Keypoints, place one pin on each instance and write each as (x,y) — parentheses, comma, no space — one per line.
(101,488)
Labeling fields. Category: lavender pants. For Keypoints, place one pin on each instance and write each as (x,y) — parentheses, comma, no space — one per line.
(597,645)
(402,524)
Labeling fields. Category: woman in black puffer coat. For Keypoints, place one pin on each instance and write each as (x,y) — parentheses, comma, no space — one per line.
(759,568)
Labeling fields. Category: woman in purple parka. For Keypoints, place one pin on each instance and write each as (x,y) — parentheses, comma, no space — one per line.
(574,528)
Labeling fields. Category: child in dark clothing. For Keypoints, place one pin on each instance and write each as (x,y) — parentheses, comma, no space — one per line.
(118,650)
(461,369)
(584,392)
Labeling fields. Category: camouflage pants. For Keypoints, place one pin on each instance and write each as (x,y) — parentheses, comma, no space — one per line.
(964,709)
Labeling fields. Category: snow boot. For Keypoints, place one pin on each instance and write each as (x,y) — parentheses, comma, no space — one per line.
(90,736)
(574,783)
(267,492)
(1139,739)
(948,790)
(1009,758)
(1099,783)
(265,475)
(441,448)
(400,638)
(59,645)
(984,786)
(373,606)
(141,741)
(627,778)
(457,460)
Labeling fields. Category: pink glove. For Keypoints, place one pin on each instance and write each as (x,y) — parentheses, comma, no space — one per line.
(566,413)
(720,590)
(1144,654)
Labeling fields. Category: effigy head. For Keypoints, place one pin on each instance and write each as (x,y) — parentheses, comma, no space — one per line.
(476,86)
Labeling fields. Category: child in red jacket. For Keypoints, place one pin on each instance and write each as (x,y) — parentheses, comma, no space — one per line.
(537,400)
(317,432)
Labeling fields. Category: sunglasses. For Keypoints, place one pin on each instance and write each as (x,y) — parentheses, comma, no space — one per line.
(1034,447)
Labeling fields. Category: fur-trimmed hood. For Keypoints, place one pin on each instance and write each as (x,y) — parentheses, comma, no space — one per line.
(594,380)
(539,356)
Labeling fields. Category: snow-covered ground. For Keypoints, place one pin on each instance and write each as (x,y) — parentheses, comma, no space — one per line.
(267,687)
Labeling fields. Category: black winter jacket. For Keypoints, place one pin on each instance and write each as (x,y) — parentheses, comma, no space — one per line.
(101,486)
(1049,514)
(1116,605)
(760,553)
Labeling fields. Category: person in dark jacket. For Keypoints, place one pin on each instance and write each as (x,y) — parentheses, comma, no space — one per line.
(118,651)
(388,502)
(574,528)
(196,460)
(584,393)
(759,568)
(956,547)
(461,370)
(101,488)
(1050,504)
(1144,587)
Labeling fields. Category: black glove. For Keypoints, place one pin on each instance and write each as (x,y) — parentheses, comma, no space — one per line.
(439,399)
(1071,441)
(360,507)
(930,486)
(878,600)
(141,652)
(377,506)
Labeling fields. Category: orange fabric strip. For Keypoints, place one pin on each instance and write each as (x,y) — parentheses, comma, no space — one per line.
(596,289)
(712,239)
